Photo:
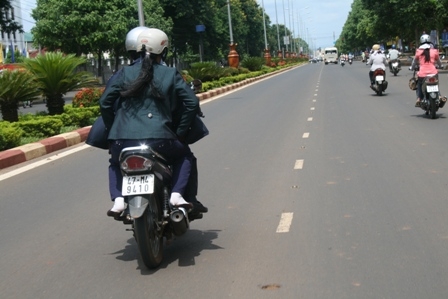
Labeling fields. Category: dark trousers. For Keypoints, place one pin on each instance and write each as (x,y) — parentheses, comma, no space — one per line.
(175,152)
(419,90)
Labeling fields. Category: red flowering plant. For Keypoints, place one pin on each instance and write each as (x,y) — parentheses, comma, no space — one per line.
(87,97)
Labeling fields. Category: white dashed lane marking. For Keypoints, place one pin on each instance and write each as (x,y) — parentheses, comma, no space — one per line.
(306,135)
(285,223)
(298,164)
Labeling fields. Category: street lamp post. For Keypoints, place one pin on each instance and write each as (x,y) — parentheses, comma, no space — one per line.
(284,22)
(233,57)
(289,16)
(279,51)
(267,54)
(141,18)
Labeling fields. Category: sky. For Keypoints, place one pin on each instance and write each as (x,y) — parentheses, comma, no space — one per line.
(319,22)
(27,21)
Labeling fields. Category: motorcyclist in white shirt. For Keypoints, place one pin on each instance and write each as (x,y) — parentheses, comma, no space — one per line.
(376,60)
(394,54)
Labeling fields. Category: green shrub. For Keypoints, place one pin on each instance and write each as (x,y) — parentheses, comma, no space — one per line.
(79,117)
(10,136)
(253,63)
(229,71)
(243,70)
(87,97)
(42,127)
(205,71)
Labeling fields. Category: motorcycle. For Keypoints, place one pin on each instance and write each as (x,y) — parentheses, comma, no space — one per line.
(395,67)
(350,61)
(342,62)
(146,189)
(432,100)
(380,84)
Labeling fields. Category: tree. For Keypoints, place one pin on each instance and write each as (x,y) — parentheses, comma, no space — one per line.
(358,31)
(407,19)
(56,74)
(8,25)
(15,86)
(185,15)
(82,27)
(254,42)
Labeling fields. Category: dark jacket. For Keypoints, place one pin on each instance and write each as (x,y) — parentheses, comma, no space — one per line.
(146,116)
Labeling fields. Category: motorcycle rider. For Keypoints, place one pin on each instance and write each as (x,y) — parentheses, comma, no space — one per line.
(426,57)
(394,54)
(150,95)
(377,60)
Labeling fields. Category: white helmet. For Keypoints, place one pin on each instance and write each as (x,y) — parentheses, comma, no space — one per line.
(155,40)
(425,39)
(131,38)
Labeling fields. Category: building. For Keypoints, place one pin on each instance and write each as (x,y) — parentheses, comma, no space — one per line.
(15,41)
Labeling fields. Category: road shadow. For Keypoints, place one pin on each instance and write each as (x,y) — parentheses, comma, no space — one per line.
(183,249)
(423,115)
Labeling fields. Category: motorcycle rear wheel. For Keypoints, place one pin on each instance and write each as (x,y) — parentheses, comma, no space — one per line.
(149,236)
(379,90)
(433,109)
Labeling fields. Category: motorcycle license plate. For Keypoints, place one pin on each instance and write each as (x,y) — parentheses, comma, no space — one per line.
(432,88)
(379,78)
(395,64)
(138,184)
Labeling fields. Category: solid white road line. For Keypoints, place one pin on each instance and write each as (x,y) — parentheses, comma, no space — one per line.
(42,162)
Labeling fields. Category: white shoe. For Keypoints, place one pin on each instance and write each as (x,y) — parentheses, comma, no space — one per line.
(177,200)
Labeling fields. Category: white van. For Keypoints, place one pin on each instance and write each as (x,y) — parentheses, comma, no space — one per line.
(331,55)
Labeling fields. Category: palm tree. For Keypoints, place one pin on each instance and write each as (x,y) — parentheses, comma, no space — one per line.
(56,74)
(16,86)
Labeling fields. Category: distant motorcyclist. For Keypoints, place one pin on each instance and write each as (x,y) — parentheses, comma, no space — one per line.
(377,60)
(426,57)
(394,54)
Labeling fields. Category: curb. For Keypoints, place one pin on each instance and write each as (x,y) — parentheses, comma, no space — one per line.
(34,150)
(46,146)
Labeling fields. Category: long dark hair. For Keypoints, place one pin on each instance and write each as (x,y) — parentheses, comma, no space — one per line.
(145,79)
(427,55)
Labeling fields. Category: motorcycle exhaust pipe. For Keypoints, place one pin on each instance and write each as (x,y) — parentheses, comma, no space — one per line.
(442,102)
(179,221)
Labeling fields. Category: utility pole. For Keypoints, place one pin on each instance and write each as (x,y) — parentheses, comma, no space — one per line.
(141,16)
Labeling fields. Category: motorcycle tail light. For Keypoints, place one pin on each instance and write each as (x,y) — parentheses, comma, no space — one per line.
(433,80)
(136,163)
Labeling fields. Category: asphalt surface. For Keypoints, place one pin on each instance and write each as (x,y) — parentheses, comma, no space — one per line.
(316,188)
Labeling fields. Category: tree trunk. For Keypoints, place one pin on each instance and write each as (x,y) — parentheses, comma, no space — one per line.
(10,112)
(55,104)
(100,63)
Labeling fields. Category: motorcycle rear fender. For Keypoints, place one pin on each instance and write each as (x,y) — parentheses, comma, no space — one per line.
(379,72)
(137,205)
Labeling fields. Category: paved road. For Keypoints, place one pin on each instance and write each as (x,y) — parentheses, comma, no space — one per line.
(317,188)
